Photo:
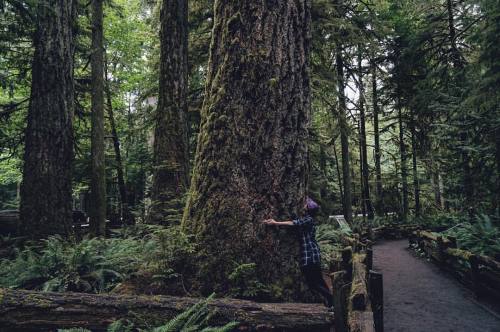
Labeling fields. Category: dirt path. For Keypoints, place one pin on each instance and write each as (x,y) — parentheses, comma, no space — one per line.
(418,297)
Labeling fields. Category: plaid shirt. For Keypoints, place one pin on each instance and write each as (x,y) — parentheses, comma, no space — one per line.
(308,246)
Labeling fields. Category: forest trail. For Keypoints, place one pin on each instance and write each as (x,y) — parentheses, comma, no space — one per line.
(418,297)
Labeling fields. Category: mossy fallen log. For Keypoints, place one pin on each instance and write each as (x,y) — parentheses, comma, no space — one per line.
(22,310)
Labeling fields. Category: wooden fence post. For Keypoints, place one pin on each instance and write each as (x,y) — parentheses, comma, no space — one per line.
(377,299)
(369,258)
(347,262)
(340,290)
(474,274)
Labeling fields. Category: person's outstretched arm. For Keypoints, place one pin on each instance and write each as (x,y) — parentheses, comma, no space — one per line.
(278,223)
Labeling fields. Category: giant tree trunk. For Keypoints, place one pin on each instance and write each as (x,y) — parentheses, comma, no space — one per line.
(365,176)
(378,170)
(171,158)
(98,181)
(46,189)
(251,160)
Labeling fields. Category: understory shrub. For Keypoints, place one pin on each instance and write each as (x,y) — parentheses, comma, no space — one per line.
(96,264)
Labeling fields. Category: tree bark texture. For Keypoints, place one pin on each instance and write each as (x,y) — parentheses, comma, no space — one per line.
(98,178)
(22,310)
(171,158)
(46,189)
(251,160)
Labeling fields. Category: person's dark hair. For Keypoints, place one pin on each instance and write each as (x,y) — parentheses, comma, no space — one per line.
(312,207)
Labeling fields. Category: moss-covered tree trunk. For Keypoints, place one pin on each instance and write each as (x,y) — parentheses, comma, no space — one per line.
(171,158)
(251,160)
(46,189)
(98,178)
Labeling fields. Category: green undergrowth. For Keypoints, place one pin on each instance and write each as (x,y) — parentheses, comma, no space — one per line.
(194,319)
(329,237)
(98,265)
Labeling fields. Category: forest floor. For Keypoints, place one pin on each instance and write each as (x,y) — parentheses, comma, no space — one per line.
(419,297)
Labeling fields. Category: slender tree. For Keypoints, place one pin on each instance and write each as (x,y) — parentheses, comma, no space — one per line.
(125,214)
(251,159)
(378,170)
(171,158)
(458,75)
(98,181)
(48,155)
(367,203)
(404,167)
(416,182)
(344,127)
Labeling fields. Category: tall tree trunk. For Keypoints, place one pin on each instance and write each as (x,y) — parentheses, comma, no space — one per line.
(98,182)
(339,177)
(458,65)
(46,189)
(251,160)
(404,169)
(344,127)
(125,214)
(367,203)
(378,169)
(416,184)
(361,179)
(435,181)
(171,158)
(496,204)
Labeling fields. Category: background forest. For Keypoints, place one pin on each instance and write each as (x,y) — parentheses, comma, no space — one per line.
(404,127)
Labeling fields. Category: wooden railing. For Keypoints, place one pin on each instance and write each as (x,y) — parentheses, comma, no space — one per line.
(480,273)
(357,289)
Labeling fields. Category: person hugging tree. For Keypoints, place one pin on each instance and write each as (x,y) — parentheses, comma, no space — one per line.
(310,253)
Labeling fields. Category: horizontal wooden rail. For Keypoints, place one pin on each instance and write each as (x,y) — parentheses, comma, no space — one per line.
(480,272)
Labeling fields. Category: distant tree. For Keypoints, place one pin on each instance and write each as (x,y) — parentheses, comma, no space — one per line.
(98,182)
(171,157)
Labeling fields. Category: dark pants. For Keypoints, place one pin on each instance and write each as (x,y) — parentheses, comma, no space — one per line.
(315,281)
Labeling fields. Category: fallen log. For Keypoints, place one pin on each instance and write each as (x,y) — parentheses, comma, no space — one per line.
(22,310)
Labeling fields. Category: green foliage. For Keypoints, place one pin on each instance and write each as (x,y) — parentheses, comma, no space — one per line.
(92,265)
(329,240)
(97,265)
(245,282)
(481,236)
